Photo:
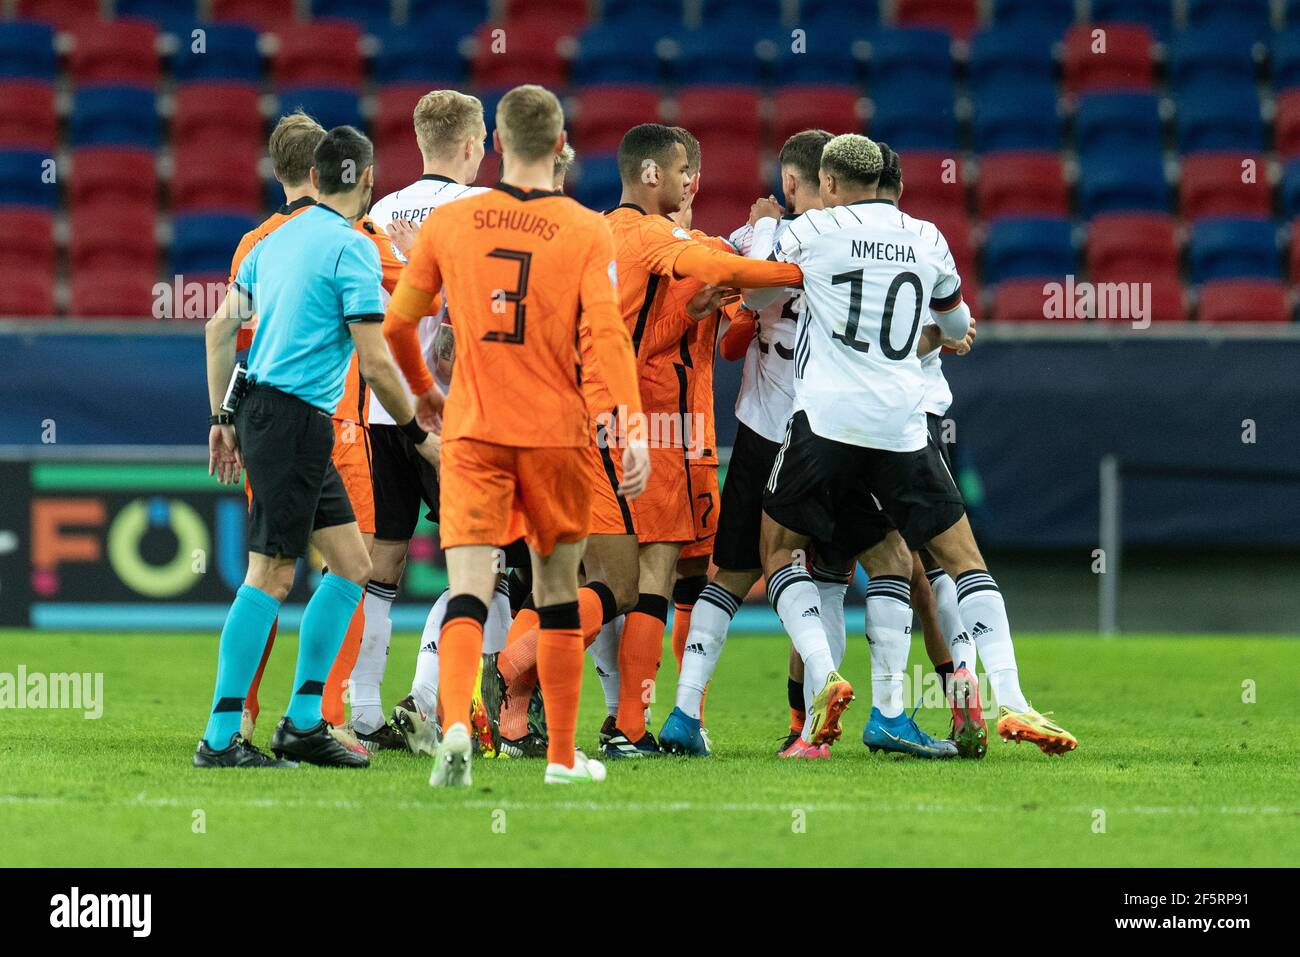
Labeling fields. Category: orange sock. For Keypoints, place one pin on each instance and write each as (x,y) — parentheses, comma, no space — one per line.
(559,667)
(331,705)
(250,702)
(521,646)
(459,649)
(639,651)
(797,719)
(681,628)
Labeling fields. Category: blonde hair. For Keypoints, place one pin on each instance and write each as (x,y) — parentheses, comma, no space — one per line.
(529,120)
(853,157)
(563,160)
(444,119)
(293,147)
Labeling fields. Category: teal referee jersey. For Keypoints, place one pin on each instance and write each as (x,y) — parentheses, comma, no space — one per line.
(308,281)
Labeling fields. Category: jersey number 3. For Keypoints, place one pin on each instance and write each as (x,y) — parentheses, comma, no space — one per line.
(514,296)
(850,334)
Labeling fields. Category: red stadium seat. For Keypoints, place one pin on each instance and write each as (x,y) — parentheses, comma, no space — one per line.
(522,50)
(263,15)
(1118,59)
(1243,300)
(957,17)
(117,52)
(933,185)
(112,237)
(1021,184)
(826,107)
(605,113)
(1121,244)
(208,179)
(113,293)
(715,111)
(397,164)
(63,14)
(1293,259)
(1213,184)
(322,53)
(1168,301)
(29,244)
(1021,300)
(394,106)
(112,175)
(217,113)
(956,229)
(1286,126)
(26,293)
(575,10)
(28,120)
(489,172)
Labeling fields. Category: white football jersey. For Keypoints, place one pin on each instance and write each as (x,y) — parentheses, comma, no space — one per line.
(938,395)
(415,202)
(766,399)
(869,281)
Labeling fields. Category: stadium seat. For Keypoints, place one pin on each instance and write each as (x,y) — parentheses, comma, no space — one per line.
(934,188)
(531,54)
(204,242)
(1122,182)
(796,108)
(108,175)
(598,183)
(114,116)
(1110,123)
(621,53)
(229,52)
(1214,59)
(1219,120)
(24,176)
(955,17)
(330,107)
(665,11)
(423,53)
(1290,189)
(1286,124)
(1285,58)
(262,15)
(1243,300)
(27,51)
(489,171)
(217,113)
(323,53)
(121,51)
(369,15)
(1009,57)
(169,16)
(28,120)
(1027,248)
(1124,63)
(828,54)
(26,293)
(36,251)
(1224,184)
(1121,244)
(1022,184)
(912,123)
(63,15)
(1016,118)
(1293,259)
(397,164)
(714,111)
(1052,15)
(1022,300)
(911,56)
(1155,15)
(113,237)
(604,114)
(112,293)
(701,59)
(391,123)
(713,12)
(205,178)
(1232,249)
(1254,15)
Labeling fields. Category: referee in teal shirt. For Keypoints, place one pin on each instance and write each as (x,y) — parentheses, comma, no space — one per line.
(315,286)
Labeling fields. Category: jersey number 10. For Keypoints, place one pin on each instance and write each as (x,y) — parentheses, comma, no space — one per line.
(850,334)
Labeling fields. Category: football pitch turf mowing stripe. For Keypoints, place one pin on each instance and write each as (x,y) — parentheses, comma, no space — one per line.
(1187,757)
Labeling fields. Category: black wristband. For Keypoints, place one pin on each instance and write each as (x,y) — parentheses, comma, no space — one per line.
(413,432)
(221,418)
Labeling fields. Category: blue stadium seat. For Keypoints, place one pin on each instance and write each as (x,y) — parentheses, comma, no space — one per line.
(202,242)
(229,53)
(1027,249)
(27,50)
(330,107)
(702,59)
(1120,182)
(1016,118)
(859,12)
(171,16)
(911,55)
(1285,58)
(371,15)
(1291,189)
(1156,14)
(1233,248)
(433,12)
(827,55)
(599,185)
(1252,15)
(1212,58)
(909,121)
(668,13)
(114,116)
(420,53)
(622,52)
(1117,122)
(22,175)
(1213,119)
(1005,56)
(1054,16)
(725,10)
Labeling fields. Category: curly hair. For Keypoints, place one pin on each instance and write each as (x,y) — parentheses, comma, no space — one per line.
(853,157)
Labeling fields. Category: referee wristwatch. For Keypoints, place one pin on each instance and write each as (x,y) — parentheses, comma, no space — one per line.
(221,418)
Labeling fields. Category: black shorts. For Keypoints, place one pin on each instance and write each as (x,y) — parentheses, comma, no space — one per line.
(517,555)
(947,449)
(735,546)
(403,479)
(850,497)
(287,445)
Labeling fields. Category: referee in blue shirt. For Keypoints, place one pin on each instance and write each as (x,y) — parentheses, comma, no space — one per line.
(315,286)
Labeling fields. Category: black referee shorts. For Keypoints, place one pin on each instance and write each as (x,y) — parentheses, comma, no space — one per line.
(287,445)
(402,479)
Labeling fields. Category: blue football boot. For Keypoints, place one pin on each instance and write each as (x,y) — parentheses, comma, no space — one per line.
(902,735)
(684,735)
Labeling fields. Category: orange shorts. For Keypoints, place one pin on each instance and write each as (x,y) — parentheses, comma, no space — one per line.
(610,514)
(497,493)
(705,499)
(663,512)
(352,459)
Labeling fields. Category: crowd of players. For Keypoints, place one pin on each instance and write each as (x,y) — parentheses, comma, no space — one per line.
(554,415)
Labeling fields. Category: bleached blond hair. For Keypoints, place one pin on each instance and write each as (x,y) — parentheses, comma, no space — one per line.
(563,160)
(444,119)
(853,157)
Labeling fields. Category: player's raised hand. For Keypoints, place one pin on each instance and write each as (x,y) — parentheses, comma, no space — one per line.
(428,410)
(402,232)
(767,208)
(224,460)
(431,450)
(636,470)
(708,300)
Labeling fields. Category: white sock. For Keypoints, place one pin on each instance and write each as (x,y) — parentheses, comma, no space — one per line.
(889,633)
(831,588)
(368,673)
(791,591)
(604,652)
(713,612)
(424,688)
(954,631)
(498,621)
(985,615)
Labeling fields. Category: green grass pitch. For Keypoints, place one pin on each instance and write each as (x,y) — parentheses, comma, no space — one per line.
(1177,766)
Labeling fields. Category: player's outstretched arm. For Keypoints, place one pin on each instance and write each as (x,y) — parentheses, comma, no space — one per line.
(717,268)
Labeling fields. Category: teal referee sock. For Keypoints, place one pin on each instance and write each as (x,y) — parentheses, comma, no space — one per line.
(324,625)
(243,638)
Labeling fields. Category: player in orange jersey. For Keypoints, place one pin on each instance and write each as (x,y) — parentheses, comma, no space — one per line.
(526,267)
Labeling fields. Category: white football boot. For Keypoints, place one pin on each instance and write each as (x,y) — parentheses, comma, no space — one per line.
(451,763)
